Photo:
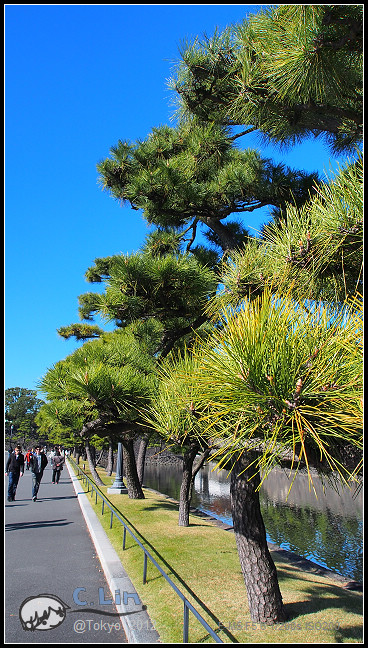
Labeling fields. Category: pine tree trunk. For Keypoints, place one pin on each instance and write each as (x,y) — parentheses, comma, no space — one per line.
(142,457)
(187,484)
(94,473)
(130,471)
(92,450)
(227,240)
(97,461)
(259,571)
(76,454)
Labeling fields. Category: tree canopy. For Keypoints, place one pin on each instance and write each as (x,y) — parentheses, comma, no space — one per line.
(277,377)
(21,408)
(317,252)
(194,176)
(290,72)
(171,289)
(100,388)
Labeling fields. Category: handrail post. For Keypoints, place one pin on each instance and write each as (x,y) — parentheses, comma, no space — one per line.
(145,569)
(185,622)
(124,537)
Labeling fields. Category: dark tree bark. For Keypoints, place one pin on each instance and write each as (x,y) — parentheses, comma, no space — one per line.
(130,471)
(226,240)
(76,453)
(185,488)
(92,468)
(143,444)
(259,571)
(189,474)
(97,461)
(92,450)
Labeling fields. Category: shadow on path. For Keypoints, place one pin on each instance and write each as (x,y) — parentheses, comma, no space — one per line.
(16,526)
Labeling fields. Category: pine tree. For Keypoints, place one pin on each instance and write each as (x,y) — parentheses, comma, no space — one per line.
(100,389)
(168,291)
(281,372)
(297,364)
(275,383)
(193,178)
(289,72)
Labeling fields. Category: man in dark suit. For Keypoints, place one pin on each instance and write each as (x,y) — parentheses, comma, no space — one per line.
(37,464)
(15,469)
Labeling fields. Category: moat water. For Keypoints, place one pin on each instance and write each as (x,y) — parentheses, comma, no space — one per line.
(326,527)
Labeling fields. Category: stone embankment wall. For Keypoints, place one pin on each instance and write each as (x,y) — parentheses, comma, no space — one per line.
(163,457)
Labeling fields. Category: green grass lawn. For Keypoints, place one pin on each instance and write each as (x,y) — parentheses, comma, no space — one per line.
(202,561)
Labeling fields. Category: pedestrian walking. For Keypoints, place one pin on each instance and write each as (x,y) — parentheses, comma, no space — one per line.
(51,455)
(28,457)
(38,463)
(57,462)
(15,469)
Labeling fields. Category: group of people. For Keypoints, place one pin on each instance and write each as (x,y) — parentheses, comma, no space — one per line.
(36,461)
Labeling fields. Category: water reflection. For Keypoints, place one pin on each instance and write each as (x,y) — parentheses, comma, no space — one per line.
(327,529)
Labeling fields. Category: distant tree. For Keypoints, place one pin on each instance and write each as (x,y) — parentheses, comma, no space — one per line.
(21,408)
(173,416)
(54,431)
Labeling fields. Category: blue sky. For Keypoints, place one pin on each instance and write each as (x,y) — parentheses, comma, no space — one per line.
(77,79)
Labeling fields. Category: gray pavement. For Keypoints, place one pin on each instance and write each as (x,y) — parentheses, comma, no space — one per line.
(59,558)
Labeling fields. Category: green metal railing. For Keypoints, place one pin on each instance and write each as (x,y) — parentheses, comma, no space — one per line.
(187,606)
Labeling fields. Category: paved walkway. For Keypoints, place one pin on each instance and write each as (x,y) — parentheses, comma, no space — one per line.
(56,548)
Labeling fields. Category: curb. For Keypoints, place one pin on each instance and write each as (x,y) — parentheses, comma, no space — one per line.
(137,624)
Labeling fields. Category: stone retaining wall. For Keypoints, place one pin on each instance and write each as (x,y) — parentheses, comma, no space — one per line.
(163,457)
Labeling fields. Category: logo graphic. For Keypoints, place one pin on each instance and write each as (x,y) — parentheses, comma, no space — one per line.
(47,611)
(42,612)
